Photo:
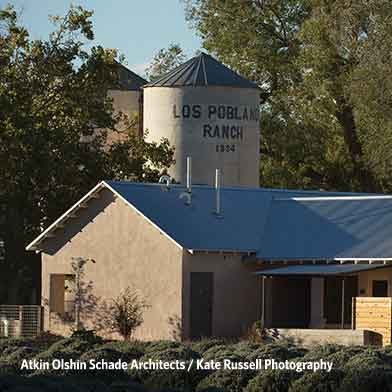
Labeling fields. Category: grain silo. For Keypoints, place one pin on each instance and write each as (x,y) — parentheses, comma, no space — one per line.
(210,113)
(127,98)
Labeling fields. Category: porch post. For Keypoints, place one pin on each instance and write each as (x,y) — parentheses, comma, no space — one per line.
(263,301)
(343,281)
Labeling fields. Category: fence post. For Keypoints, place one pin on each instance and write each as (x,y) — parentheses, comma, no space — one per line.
(353,312)
(21,322)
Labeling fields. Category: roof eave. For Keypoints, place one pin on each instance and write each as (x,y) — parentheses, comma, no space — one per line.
(33,245)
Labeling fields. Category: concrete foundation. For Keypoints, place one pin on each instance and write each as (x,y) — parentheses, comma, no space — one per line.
(312,337)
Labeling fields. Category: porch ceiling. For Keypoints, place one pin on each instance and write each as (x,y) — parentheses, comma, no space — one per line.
(319,270)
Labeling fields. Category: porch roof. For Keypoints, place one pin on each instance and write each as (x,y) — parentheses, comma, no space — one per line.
(319,269)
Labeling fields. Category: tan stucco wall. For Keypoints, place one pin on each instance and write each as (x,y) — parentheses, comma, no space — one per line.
(365,280)
(128,250)
(236,300)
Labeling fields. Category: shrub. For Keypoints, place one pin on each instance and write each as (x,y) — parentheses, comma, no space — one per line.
(101,353)
(201,346)
(126,314)
(272,381)
(171,354)
(367,380)
(318,382)
(278,351)
(161,345)
(129,350)
(219,353)
(368,358)
(322,351)
(181,380)
(256,333)
(39,384)
(226,380)
(87,335)
(168,378)
(68,348)
(127,386)
(13,360)
(246,349)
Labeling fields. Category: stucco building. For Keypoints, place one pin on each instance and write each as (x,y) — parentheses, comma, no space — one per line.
(210,261)
(200,269)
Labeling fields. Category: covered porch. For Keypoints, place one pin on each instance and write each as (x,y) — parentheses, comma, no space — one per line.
(347,303)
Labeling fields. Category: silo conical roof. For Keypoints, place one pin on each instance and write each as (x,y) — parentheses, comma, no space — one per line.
(202,70)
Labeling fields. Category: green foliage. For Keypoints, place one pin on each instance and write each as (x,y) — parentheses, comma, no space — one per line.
(365,359)
(176,378)
(319,382)
(55,120)
(128,350)
(226,380)
(126,312)
(272,381)
(87,335)
(164,61)
(219,353)
(162,345)
(278,351)
(201,346)
(367,380)
(362,369)
(323,70)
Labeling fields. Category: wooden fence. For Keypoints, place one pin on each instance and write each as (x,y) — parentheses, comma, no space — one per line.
(373,314)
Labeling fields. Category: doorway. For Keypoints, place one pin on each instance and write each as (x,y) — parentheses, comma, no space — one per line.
(290,302)
(202,285)
(333,298)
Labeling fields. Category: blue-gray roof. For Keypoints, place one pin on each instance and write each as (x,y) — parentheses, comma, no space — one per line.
(202,70)
(271,224)
(318,270)
(256,220)
(345,228)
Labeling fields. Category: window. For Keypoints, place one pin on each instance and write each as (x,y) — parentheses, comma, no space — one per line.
(62,295)
(380,288)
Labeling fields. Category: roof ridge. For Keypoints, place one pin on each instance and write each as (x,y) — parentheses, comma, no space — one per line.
(258,189)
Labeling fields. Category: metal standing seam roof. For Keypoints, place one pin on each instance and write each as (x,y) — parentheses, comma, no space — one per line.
(336,228)
(196,227)
(273,224)
(319,270)
(202,70)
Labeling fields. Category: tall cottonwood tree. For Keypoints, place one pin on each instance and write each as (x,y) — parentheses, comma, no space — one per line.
(53,97)
(322,66)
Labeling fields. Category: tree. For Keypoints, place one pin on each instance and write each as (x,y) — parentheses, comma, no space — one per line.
(53,98)
(127,312)
(320,65)
(164,61)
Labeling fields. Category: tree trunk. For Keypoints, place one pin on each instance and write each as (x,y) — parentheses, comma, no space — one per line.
(364,176)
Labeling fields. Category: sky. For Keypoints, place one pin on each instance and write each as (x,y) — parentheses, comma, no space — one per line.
(137,28)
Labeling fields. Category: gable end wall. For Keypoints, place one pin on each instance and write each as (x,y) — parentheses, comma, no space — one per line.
(128,251)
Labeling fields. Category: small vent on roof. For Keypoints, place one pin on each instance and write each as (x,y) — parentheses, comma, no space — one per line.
(218,211)
(165,179)
(188,194)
